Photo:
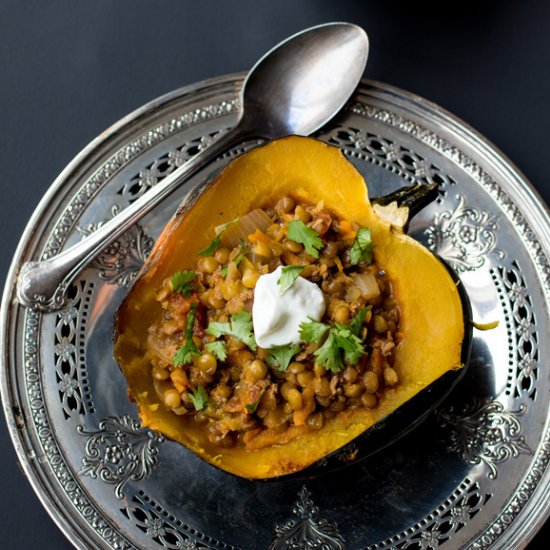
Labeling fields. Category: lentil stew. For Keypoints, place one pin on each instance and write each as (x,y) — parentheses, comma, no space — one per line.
(202,353)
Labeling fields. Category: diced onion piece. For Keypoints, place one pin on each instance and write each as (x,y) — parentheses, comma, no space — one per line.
(233,273)
(353,294)
(244,226)
(158,348)
(367,285)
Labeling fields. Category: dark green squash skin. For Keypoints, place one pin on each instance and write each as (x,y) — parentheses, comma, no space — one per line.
(415,197)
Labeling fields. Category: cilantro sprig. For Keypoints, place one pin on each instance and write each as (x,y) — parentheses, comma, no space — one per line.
(342,344)
(189,350)
(217,349)
(340,347)
(299,232)
(362,248)
(181,282)
(239,326)
(280,356)
(185,354)
(289,274)
(199,398)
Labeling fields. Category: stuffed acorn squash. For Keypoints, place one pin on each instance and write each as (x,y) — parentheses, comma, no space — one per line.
(282,314)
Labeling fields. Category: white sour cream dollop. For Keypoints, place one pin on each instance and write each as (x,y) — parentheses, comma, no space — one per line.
(277,317)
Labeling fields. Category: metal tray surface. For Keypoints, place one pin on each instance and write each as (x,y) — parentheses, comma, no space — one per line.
(475,474)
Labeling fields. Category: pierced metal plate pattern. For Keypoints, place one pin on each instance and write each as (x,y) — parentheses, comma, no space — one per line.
(475,474)
(70,351)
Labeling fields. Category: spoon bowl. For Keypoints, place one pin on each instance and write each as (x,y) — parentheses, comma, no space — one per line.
(298,86)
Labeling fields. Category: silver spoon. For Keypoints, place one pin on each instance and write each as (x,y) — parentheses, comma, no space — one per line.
(295,88)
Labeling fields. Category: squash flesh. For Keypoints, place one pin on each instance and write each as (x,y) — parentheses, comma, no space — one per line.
(431,316)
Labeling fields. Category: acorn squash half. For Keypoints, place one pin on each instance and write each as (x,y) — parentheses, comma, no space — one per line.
(432,318)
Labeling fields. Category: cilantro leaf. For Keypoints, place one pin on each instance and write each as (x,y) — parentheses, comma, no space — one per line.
(299,232)
(217,240)
(217,329)
(215,243)
(223,271)
(186,353)
(181,282)
(243,250)
(280,356)
(340,345)
(289,273)
(251,407)
(190,320)
(199,398)
(329,356)
(350,344)
(362,248)
(217,349)
(312,332)
(240,326)
(357,322)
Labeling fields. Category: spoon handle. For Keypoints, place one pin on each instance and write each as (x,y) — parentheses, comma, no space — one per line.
(42,285)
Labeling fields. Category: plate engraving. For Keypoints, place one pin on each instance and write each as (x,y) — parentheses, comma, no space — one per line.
(306,532)
(394,157)
(119,451)
(483,431)
(121,261)
(164,529)
(438,526)
(463,236)
(69,483)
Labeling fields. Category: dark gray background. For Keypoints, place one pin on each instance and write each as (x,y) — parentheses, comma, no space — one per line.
(69,69)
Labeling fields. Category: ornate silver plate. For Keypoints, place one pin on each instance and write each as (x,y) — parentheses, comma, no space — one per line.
(475,474)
